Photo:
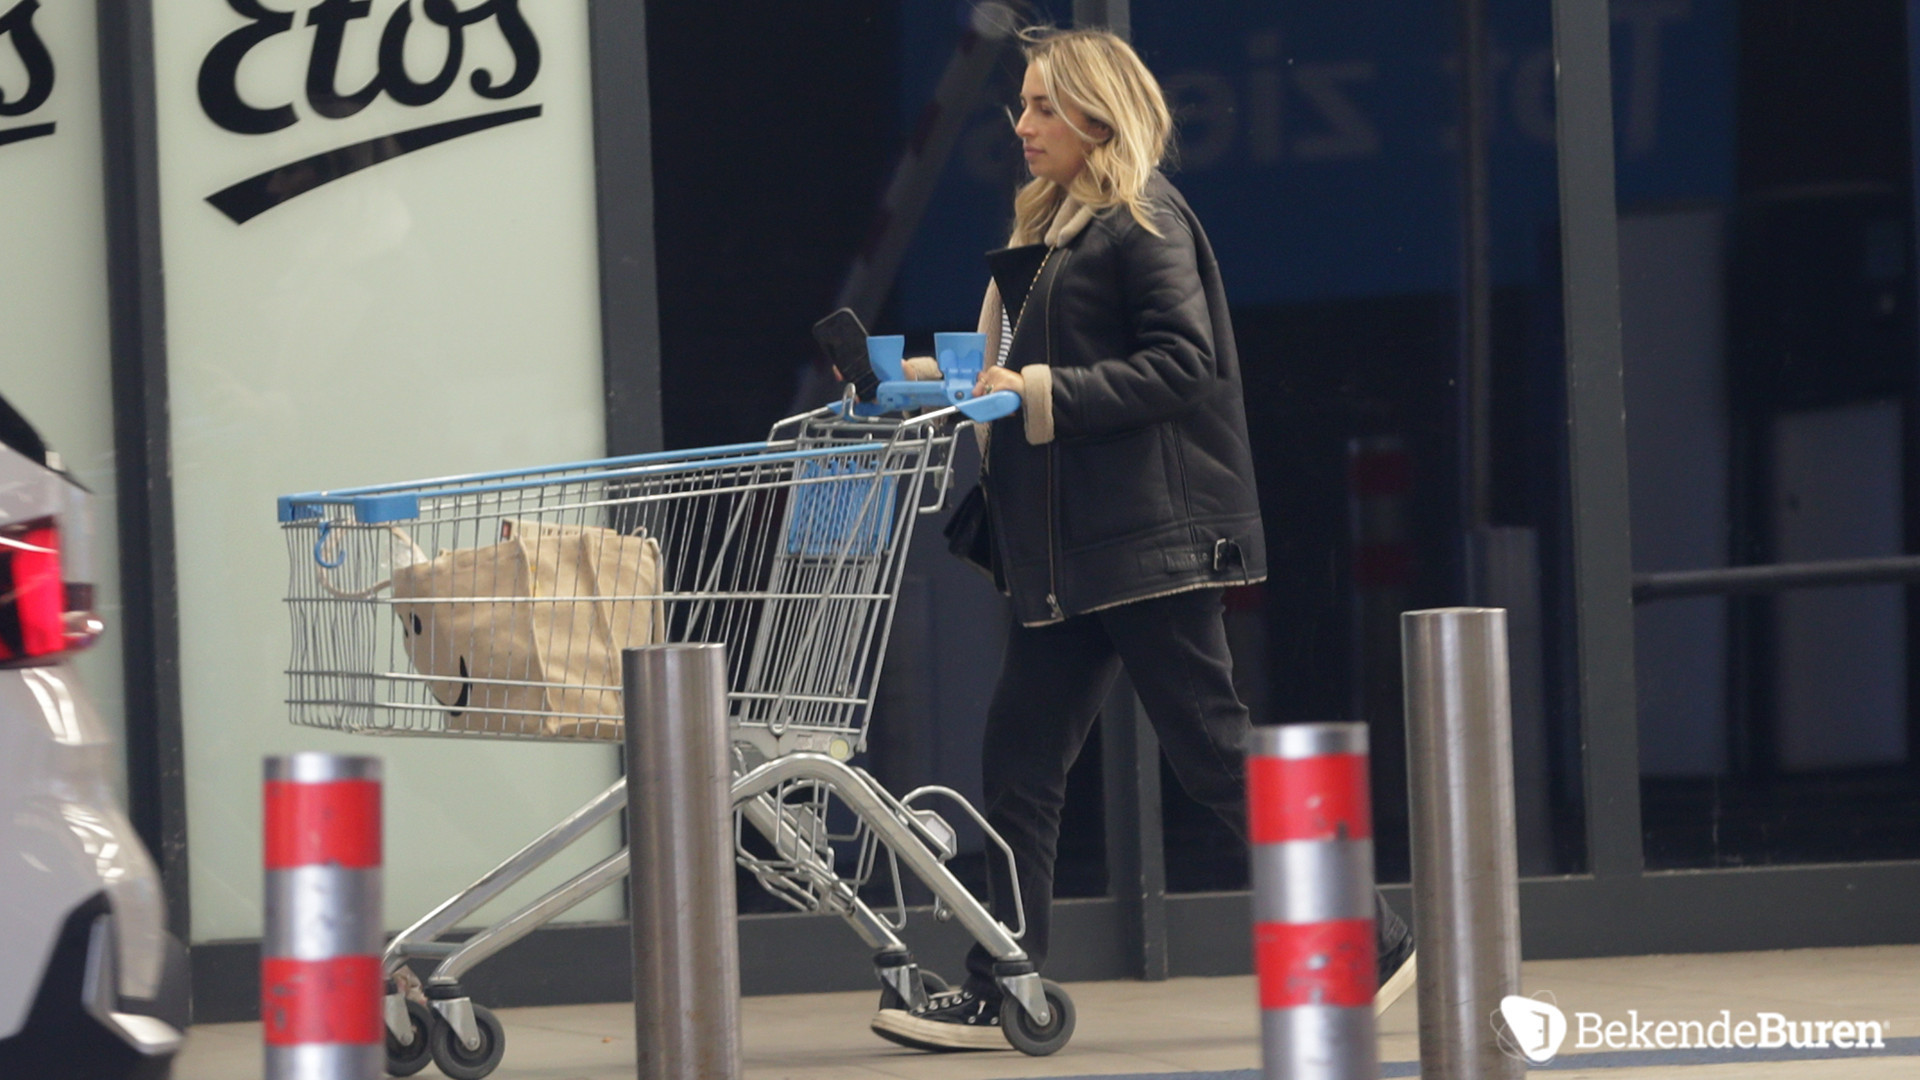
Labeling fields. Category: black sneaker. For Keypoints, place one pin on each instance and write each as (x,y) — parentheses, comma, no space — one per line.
(955,1020)
(1398,970)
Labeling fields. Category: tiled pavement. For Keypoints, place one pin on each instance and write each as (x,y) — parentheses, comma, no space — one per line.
(1209,1026)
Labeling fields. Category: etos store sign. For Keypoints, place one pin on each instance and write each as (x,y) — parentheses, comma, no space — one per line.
(19,102)
(342,35)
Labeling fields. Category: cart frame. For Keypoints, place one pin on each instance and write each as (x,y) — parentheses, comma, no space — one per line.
(791,741)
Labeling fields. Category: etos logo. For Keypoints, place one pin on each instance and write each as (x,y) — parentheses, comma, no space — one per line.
(17,33)
(331,29)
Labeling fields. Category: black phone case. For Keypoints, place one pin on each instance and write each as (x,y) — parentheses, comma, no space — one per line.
(843,339)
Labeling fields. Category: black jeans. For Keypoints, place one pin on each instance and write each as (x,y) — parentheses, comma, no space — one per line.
(1053,680)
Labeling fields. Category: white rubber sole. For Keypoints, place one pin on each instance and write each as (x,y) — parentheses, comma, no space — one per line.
(901,1026)
(1397,984)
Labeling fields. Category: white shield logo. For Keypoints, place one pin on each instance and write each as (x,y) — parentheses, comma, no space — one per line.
(1538,1026)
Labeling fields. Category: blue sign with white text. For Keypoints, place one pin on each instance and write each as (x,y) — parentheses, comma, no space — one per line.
(1317,142)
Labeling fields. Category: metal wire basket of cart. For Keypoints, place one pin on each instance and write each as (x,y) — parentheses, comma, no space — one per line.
(496,606)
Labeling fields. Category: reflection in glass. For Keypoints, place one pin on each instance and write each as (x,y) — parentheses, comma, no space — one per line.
(1769,342)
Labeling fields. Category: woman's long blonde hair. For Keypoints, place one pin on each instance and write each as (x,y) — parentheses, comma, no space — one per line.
(1100,75)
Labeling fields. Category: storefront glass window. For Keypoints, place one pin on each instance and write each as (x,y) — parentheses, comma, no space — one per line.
(1768,298)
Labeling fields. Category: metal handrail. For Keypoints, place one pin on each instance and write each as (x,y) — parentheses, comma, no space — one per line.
(1777,577)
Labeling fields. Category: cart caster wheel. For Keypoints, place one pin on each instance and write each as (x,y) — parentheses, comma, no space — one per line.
(456,1060)
(412,1057)
(1030,1038)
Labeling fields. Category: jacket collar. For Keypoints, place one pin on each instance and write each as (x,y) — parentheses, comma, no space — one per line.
(1013,268)
(1068,219)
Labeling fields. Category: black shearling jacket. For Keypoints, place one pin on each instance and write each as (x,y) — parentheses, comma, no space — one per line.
(1127,475)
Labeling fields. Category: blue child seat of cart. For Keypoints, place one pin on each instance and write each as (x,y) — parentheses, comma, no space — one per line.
(885,354)
(851,516)
(959,355)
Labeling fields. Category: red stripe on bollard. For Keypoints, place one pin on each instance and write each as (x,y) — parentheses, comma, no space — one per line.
(1313,901)
(336,823)
(1316,798)
(1324,963)
(321,1001)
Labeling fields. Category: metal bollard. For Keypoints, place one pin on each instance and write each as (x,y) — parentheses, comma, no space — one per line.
(1466,894)
(686,943)
(320,984)
(1310,823)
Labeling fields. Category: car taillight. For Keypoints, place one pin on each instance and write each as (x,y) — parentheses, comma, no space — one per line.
(41,615)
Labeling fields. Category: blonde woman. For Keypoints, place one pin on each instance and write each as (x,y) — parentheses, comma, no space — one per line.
(1121,496)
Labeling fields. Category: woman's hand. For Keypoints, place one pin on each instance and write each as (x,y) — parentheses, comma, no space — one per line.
(999,378)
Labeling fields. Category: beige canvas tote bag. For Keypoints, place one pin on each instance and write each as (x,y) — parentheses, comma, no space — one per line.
(523,637)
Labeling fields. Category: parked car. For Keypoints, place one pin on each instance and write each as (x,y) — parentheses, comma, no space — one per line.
(91,983)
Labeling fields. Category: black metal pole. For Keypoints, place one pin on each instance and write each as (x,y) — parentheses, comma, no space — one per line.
(143,457)
(1476,280)
(623,182)
(1130,759)
(1597,438)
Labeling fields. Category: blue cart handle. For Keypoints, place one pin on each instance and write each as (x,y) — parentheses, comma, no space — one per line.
(990,406)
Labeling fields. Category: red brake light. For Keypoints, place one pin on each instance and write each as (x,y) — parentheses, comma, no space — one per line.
(33,599)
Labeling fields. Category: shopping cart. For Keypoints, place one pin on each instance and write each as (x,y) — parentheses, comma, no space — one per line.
(495,606)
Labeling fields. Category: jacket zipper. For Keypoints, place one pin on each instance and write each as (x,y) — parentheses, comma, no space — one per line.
(1053,598)
(1053,581)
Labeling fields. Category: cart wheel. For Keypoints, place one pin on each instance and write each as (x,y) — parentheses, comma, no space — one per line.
(456,1060)
(411,1058)
(1029,1037)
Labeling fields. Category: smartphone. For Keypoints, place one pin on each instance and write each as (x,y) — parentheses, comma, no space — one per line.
(843,339)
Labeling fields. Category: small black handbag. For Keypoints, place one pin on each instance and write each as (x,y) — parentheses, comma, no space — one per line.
(969,532)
